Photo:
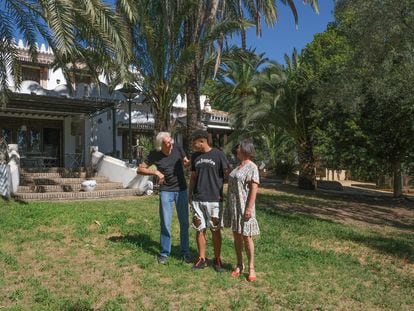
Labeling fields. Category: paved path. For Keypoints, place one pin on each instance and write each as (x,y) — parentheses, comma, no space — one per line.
(369,189)
(349,187)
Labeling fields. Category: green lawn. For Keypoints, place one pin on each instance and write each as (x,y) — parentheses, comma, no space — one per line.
(316,252)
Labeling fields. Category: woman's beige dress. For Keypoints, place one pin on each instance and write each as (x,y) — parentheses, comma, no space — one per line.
(238,190)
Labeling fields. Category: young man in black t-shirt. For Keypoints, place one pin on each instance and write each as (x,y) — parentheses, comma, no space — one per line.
(169,161)
(209,167)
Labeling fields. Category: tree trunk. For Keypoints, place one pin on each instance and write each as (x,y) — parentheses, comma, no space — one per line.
(191,82)
(157,124)
(243,38)
(193,104)
(242,30)
(381,181)
(161,123)
(397,184)
(307,178)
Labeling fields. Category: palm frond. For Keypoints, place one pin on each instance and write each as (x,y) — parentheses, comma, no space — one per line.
(8,57)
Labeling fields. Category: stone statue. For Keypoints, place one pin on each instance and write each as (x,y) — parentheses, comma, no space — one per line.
(4,168)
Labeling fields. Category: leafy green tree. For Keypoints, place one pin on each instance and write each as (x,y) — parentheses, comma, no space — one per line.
(380,32)
(323,63)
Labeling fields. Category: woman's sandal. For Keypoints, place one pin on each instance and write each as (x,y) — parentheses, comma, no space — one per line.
(251,278)
(237,271)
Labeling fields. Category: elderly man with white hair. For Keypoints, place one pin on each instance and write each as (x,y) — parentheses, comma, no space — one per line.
(169,161)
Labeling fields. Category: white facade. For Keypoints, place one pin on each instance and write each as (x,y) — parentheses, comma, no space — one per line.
(80,130)
(141,117)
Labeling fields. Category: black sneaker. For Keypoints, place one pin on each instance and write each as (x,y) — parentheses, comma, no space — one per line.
(188,258)
(218,265)
(200,264)
(162,260)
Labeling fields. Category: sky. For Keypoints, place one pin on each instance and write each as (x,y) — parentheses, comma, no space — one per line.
(284,37)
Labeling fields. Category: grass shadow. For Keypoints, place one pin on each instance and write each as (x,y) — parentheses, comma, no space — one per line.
(14,200)
(298,211)
(400,246)
(349,194)
(148,245)
(343,207)
(142,241)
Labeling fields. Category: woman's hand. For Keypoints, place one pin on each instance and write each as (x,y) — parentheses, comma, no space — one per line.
(247,213)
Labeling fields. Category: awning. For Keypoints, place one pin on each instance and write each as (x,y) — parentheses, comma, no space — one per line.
(221,127)
(54,105)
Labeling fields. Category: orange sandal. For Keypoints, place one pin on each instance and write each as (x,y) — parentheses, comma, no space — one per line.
(237,271)
(251,278)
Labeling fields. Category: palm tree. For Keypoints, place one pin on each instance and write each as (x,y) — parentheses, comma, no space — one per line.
(234,85)
(263,118)
(205,20)
(252,95)
(198,30)
(295,118)
(159,53)
(280,104)
(76,30)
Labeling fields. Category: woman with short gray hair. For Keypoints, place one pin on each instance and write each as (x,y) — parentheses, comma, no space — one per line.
(247,148)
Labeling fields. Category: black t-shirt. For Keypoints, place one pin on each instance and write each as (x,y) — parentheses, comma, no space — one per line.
(171,166)
(209,167)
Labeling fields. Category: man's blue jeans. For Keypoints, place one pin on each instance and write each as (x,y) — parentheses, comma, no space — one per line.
(167,200)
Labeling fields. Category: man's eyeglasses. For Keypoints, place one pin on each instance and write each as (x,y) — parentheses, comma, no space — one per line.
(168,142)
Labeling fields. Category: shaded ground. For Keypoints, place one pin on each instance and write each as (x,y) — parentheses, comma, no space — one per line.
(354,204)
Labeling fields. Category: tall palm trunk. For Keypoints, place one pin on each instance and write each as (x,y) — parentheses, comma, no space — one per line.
(157,125)
(162,124)
(192,80)
(193,102)
(243,38)
(162,108)
(242,30)
(306,166)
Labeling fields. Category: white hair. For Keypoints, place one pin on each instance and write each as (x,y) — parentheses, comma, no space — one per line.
(159,139)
